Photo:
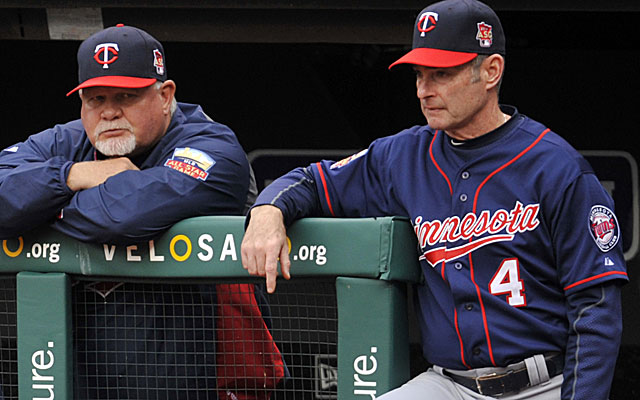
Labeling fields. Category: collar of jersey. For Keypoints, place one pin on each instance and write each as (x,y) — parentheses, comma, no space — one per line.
(488,137)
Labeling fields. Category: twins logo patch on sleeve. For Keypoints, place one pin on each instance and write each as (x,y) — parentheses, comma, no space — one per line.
(604,227)
(192,162)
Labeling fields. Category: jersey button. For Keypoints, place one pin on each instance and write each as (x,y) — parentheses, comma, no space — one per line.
(463,197)
(468,306)
(465,175)
(457,266)
(476,351)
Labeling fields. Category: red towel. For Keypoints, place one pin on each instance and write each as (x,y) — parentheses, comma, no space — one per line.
(249,364)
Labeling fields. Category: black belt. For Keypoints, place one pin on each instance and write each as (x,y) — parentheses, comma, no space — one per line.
(511,381)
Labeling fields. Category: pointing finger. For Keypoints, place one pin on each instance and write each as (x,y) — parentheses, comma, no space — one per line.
(271,273)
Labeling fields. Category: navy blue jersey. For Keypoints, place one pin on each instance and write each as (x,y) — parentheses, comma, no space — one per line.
(514,229)
(197,162)
(197,168)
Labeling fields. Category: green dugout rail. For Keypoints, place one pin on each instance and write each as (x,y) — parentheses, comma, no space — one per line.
(372,260)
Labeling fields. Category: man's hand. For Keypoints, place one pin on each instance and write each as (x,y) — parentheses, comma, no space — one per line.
(87,174)
(264,242)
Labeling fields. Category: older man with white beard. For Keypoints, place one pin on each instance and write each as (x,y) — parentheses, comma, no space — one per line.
(122,172)
(134,164)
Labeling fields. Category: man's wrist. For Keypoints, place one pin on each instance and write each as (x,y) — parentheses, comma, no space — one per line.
(263,210)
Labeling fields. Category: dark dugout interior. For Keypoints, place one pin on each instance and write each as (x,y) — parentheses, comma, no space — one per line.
(577,71)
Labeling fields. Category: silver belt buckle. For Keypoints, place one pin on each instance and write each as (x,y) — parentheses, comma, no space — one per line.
(479,379)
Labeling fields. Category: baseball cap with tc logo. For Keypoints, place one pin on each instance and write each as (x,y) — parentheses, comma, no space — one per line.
(452,32)
(120,56)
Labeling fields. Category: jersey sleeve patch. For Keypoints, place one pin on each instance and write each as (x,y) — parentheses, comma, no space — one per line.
(12,149)
(192,162)
(604,227)
(345,161)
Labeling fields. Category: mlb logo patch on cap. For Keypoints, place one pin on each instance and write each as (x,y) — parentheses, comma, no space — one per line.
(484,36)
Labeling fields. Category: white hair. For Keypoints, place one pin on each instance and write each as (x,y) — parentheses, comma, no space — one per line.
(174,102)
(157,86)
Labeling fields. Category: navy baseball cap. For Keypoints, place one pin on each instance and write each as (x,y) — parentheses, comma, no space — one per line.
(452,32)
(120,56)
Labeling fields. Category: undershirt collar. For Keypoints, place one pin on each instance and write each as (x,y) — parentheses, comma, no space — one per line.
(491,136)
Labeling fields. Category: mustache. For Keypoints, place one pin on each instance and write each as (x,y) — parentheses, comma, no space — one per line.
(108,126)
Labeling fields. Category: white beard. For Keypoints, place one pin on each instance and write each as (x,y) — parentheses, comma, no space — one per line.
(116,146)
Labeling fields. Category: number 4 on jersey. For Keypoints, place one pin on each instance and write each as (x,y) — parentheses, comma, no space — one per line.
(507,281)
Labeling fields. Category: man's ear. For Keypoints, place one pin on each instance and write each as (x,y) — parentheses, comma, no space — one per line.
(493,67)
(167,92)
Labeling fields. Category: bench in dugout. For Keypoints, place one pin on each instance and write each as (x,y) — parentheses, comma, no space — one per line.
(173,319)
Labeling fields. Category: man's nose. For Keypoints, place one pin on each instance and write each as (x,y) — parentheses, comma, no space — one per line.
(424,88)
(111,110)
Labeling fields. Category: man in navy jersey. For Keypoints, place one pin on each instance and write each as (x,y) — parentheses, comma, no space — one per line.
(519,244)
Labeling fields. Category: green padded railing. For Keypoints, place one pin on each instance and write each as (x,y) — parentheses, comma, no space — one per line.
(371,258)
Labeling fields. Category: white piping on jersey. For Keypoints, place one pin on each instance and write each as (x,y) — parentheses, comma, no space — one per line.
(280,193)
(575,323)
